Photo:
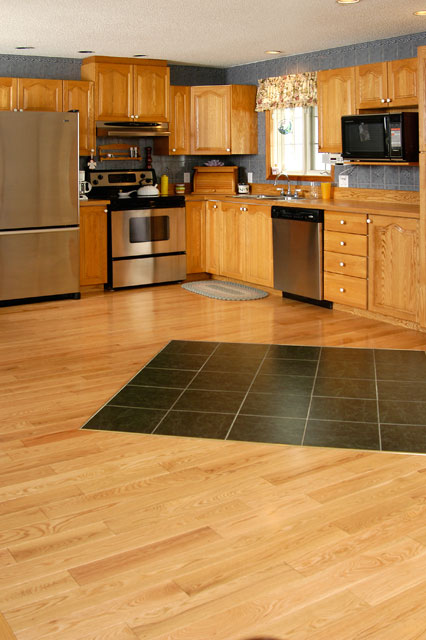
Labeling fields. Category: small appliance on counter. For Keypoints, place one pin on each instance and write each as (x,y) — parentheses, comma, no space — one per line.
(83,186)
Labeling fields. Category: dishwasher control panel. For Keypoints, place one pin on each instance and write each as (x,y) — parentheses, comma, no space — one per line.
(297,213)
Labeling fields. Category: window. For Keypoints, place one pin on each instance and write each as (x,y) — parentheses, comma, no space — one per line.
(293,142)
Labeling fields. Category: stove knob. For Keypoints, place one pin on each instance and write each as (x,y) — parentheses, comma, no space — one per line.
(95,182)
(100,176)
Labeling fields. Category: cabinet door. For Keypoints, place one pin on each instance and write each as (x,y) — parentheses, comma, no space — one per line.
(233,240)
(213,237)
(371,85)
(336,98)
(195,236)
(393,250)
(79,95)
(258,245)
(114,91)
(402,82)
(211,120)
(8,94)
(151,92)
(180,104)
(36,94)
(93,245)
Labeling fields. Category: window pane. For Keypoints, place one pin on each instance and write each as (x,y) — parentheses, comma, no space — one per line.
(294,141)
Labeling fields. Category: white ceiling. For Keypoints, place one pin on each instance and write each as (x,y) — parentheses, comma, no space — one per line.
(220,33)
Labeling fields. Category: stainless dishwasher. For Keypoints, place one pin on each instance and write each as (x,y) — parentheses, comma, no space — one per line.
(297,236)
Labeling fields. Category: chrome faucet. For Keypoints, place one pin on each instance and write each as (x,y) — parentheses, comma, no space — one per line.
(288,184)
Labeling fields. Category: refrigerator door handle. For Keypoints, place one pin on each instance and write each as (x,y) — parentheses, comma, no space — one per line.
(27,231)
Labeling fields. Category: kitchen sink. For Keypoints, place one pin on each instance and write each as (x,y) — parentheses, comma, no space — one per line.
(262,196)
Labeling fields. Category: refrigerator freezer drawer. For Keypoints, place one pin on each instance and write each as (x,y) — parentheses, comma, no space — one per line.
(39,263)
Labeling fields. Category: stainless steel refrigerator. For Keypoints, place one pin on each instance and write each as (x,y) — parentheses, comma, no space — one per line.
(39,206)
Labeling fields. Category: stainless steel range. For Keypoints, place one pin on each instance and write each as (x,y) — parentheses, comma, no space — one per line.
(146,234)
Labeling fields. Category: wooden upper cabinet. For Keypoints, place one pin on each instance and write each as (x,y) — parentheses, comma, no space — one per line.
(151,92)
(179,141)
(402,82)
(393,271)
(8,94)
(127,91)
(223,120)
(113,91)
(387,84)
(336,98)
(36,94)
(78,94)
(211,120)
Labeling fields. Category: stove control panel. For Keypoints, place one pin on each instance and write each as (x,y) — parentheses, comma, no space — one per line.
(121,179)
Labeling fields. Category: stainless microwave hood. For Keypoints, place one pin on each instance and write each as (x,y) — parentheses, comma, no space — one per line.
(132,129)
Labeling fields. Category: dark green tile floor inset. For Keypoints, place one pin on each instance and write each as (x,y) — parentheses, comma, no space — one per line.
(287,394)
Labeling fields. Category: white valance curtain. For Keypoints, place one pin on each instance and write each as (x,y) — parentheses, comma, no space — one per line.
(294,90)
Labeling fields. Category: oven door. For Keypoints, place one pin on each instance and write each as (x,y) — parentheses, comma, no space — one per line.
(142,232)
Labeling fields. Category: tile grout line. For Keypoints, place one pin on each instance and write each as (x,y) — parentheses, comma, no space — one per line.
(186,388)
(377,401)
(310,400)
(247,392)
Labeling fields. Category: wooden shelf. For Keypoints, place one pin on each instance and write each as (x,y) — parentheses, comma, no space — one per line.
(117,151)
(389,164)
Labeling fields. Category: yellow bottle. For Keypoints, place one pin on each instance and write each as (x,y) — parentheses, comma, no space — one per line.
(164,185)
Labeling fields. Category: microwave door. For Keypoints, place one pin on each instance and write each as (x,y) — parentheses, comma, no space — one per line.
(365,138)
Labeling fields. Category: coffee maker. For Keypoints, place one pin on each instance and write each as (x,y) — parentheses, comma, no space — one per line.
(83,186)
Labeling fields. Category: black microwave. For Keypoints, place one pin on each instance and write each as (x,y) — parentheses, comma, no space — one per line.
(381,136)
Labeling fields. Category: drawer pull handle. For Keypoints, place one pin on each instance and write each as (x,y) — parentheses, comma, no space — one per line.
(342,264)
(368,221)
(215,206)
(342,222)
(342,290)
(342,244)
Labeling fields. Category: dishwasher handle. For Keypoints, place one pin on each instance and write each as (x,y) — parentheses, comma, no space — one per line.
(296,213)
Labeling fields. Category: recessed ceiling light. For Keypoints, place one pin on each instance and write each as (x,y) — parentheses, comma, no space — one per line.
(24,47)
(347,1)
(86,51)
(140,55)
(273,52)
(420,13)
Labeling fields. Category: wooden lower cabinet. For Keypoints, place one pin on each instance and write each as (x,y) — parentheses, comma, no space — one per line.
(258,239)
(345,258)
(238,241)
(393,248)
(93,244)
(195,236)
(233,240)
(213,237)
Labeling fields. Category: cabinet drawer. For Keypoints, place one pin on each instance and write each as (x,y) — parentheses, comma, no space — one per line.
(345,243)
(346,290)
(346,222)
(345,264)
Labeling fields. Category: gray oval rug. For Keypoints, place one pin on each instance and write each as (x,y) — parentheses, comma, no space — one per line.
(222,290)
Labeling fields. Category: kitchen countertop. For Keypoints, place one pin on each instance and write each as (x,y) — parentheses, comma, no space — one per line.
(404,210)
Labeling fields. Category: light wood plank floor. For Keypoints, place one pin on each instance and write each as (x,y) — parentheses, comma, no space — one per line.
(108,536)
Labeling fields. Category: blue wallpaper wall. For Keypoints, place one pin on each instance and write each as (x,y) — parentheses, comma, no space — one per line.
(379,177)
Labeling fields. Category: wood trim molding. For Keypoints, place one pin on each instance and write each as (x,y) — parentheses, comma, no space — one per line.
(421,70)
